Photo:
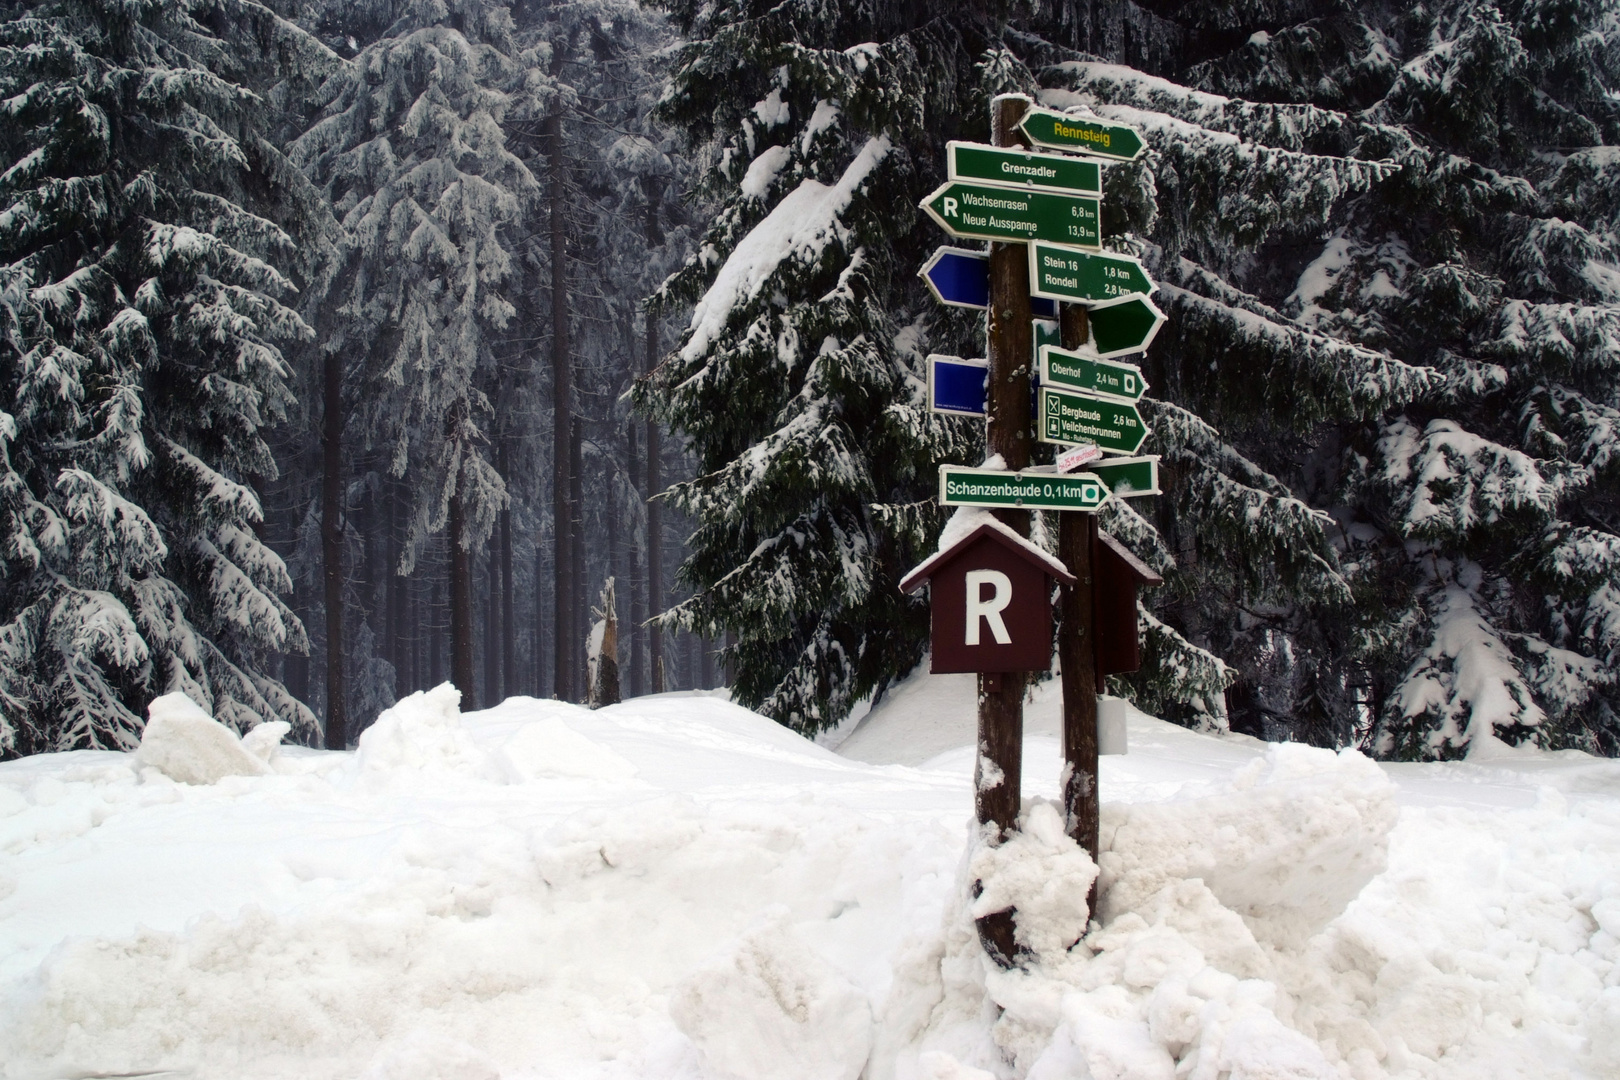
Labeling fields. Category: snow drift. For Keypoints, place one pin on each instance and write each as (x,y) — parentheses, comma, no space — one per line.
(676,887)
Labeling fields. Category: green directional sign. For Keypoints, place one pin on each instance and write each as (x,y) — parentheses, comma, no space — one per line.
(1033,491)
(1124,326)
(1068,416)
(979,211)
(1129,477)
(1062,273)
(1083,135)
(1076,371)
(1001,165)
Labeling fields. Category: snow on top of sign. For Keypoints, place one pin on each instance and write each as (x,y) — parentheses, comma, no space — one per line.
(964,523)
(801,225)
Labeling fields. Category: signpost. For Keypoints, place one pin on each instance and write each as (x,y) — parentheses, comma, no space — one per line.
(1068,416)
(1064,273)
(975,161)
(1076,371)
(960,277)
(1124,326)
(959,486)
(1042,216)
(978,211)
(1083,135)
(956,386)
(1129,477)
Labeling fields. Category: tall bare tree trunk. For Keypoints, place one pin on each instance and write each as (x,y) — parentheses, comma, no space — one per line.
(655,526)
(461,607)
(562,393)
(492,628)
(337,716)
(508,600)
(540,617)
(434,650)
(581,623)
(638,584)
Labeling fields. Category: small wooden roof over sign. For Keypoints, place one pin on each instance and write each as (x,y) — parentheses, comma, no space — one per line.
(1143,572)
(993,530)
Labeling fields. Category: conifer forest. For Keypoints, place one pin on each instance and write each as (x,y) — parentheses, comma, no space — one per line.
(349,347)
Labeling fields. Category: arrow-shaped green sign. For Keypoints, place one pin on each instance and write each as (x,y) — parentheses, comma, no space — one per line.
(979,211)
(1082,134)
(1076,371)
(1003,165)
(1129,477)
(1068,416)
(1124,326)
(1062,273)
(1033,491)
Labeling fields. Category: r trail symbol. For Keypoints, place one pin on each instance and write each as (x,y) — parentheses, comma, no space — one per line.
(987,611)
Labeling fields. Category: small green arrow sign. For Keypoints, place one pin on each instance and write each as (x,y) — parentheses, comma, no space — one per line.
(1082,135)
(979,211)
(1129,477)
(1068,416)
(1063,273)
(1075,371)
(975,161)
(1035,491)
(1124,326)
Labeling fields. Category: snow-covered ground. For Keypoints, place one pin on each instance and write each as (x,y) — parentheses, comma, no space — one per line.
(676,887)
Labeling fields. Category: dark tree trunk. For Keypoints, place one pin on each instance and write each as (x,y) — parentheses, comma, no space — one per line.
(540,617)
(507,597)
(655,531)
(492,629)
(581,623)
(337,723)
(435,641)
(638,585)
(461,608)
(562,462)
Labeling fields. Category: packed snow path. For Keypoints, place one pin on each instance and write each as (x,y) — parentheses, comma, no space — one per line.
(676,887)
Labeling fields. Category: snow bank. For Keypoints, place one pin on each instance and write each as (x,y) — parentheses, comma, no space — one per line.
(186,744)
(677,889)
(1294,839)
(774,1010)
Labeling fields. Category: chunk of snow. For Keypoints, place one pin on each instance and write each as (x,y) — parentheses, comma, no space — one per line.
(1040,870)
(421,733)
(774,1010)
(549,747)
(763,169)
(264,741)
(186,744)
(1288,846)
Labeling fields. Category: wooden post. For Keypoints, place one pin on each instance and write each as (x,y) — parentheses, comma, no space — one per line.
(1077,654)
(996,775)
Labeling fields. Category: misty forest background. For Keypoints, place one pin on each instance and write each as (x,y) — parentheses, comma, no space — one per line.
(343,345)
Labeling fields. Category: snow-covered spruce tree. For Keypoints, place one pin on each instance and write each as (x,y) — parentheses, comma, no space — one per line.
(798,380)
(1433,363)
(141,210)
(413,157)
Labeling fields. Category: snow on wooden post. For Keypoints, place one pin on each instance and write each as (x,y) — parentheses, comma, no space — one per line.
(602,652)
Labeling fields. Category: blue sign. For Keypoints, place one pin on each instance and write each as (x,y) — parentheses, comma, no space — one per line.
(960,277)
(957,386)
